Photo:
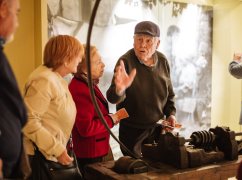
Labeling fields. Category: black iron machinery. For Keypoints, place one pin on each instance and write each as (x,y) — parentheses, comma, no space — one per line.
(203,147)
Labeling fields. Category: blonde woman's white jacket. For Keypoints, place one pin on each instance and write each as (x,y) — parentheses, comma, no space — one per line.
(51,113)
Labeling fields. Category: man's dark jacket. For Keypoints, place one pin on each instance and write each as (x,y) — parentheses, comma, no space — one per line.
(12,118)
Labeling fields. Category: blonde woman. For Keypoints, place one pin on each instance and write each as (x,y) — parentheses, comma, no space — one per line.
(51,109)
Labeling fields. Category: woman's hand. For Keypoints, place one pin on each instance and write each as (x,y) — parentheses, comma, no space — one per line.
(115,119)
(119,115)
(122,79)
(64,158)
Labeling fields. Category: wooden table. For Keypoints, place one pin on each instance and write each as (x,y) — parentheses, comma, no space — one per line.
(218,171)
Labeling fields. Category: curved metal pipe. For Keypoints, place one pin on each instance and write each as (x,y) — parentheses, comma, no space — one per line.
(90,84)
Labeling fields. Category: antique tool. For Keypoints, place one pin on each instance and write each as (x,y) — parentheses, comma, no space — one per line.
(129,165)
(203,147)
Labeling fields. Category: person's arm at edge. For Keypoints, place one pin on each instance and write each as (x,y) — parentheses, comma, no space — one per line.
(235,69)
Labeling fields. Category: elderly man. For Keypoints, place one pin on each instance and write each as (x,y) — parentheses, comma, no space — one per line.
(146,93)
(12,109)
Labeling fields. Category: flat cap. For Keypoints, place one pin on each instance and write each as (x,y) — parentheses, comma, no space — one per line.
(147,27)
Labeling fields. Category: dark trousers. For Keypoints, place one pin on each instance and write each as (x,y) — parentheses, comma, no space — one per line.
(134,138)
(82,162)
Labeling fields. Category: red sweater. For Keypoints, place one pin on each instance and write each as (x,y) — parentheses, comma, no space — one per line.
(90,138)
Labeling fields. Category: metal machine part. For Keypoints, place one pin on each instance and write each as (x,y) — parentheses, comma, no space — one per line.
(204,147)
(128,165)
